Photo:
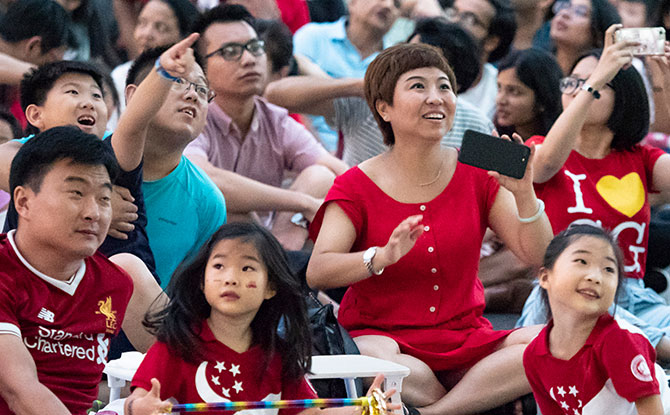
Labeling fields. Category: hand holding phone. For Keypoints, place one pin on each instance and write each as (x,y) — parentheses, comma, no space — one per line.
(651,40)
(493,153)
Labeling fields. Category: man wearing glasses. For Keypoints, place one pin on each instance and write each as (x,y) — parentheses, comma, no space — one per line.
(492,24)
(247,135)
(183,206)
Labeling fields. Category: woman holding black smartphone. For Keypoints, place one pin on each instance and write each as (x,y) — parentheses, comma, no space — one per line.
(591,169)
(404,229)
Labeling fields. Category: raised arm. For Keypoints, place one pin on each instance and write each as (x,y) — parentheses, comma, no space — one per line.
(561,139)
(659,69)
(12,69)
(130,135)
(19,385)
(332,264)
(518,217)
(312,94)
(247,195)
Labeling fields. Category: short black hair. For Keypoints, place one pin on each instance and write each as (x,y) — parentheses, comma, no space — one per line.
(36,85)
(503,25)
(27,18)
(457,45)
(186,14)
(629,120)
(278,42)
(539,71)
(223,13)
(36,157)
(142,64)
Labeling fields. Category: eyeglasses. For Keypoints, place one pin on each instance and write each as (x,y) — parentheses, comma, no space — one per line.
(182,85)
(570,84)
(234,51)
(467,19)
(579,10)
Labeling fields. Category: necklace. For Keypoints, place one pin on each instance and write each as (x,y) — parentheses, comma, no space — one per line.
(439,172)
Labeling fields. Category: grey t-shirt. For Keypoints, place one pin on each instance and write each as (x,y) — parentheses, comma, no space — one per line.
(363,139)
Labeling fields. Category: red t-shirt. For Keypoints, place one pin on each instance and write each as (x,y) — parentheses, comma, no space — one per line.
(294,13)
(610,192)
(66,326)
(431,301)
(613,369)
(224,376)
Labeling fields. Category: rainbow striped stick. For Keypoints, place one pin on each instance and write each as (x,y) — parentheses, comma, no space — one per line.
(375,404)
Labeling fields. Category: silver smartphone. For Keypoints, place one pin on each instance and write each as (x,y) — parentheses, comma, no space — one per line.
(651,39)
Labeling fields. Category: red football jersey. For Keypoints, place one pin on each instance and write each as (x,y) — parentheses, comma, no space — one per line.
(65,325)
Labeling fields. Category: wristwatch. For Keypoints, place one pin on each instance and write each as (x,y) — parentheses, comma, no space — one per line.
(367,260)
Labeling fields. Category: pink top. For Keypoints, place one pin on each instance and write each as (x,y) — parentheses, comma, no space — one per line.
(275,143)
(431,299)
(609,192)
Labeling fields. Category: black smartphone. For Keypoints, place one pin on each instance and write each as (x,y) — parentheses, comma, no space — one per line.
(493,153)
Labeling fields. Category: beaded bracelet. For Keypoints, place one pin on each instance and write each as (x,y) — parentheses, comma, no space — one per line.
(591,90)
(162,72)
(536,216)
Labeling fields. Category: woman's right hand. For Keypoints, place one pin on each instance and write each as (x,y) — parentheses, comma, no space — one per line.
(402,239)
(614,57)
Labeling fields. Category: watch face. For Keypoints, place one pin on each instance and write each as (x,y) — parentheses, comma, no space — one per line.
(369,254)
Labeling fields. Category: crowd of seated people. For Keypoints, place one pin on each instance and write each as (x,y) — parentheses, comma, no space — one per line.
(331,129)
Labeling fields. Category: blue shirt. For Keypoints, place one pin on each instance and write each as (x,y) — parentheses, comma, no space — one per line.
(184,209)
(327,45)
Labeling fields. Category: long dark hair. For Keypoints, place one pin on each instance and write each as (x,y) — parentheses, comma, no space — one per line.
(178,324)
(539,71)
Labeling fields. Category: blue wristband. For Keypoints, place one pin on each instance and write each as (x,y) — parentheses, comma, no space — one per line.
(162,72)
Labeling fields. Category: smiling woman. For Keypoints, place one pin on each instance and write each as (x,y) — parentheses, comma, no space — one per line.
(403,230)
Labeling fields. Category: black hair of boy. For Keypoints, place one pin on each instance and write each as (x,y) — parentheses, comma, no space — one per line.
(36,85)
(27,18)
(457,45)
(36,157)
(225,13)
(142,64)
(278,42)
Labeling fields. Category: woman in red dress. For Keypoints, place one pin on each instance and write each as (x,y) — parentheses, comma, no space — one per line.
(404,233)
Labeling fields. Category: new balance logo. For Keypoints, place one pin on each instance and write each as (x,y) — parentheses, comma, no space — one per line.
(47,315)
